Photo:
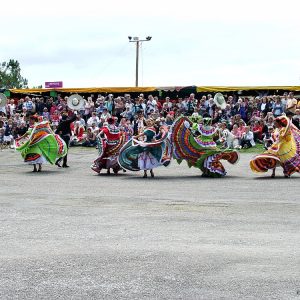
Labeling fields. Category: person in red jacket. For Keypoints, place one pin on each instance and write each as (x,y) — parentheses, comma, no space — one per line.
(257,130)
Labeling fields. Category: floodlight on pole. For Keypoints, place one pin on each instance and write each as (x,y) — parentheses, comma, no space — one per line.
(137,41)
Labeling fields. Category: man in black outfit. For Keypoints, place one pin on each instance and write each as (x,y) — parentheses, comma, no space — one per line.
(64,131)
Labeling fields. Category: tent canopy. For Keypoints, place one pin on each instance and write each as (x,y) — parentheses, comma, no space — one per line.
(166,89)
(87,90)
(203,89)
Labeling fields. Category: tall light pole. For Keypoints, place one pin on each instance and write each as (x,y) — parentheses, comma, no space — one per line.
(137,41)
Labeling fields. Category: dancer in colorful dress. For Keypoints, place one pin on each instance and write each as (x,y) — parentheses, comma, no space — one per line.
(109,140)
(284,152)
(40,144)
(148,153)
(194,142)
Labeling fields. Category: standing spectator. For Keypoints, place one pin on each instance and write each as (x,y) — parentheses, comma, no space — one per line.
(277,107)
(151,104)
(136,107)
(243,111)
(119,107)
(8,134)
(265,106)
(11,107)
(28,105)
(46,114)
(88,108)
(105,114)
(284,101)
(127,114)
(39,106)
(109,103)
(2,131)
(190,106)
(291,103)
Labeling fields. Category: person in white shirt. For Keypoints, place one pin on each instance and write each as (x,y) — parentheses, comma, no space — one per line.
(291,103)
(105,114)
(247,138)
(93,119)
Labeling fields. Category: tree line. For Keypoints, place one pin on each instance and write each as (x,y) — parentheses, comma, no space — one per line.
(10,75)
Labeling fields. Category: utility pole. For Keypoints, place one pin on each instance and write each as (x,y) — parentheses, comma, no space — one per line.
(137,41)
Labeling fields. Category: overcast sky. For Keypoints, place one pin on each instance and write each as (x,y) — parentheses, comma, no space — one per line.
(213,42)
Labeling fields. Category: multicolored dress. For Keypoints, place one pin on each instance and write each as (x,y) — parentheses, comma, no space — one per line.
(148,154)
(195,144)
(109,147)
(40,144)
(284,152)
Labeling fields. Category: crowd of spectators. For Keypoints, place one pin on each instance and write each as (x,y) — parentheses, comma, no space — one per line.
(244,122)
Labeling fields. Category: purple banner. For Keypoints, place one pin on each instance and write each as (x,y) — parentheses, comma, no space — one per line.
(54,84)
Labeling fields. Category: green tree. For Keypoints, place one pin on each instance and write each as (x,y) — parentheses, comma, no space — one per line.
(10,75)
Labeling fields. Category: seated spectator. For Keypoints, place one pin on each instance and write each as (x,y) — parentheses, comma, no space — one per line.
(93,119)
(255,114)
(225,136)
(247,140)
(241,128)
(258,131)
(81,119)
(268,137)
(95,128)
(90,139)
(22,129)
(77,134)
(236,136)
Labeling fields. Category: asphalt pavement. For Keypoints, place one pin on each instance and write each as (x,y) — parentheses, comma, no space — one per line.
(71,234)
